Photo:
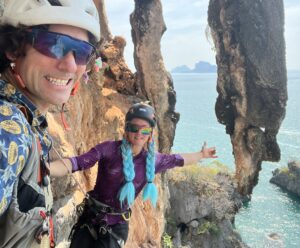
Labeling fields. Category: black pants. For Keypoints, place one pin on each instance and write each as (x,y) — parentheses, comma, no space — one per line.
(83,239)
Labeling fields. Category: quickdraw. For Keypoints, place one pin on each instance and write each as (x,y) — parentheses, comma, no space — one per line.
(103,230)
(45,235)
(129,216)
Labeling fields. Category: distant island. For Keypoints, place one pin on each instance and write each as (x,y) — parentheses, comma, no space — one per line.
(200,67)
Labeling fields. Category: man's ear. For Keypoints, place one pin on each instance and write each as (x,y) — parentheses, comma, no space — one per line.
(11,56)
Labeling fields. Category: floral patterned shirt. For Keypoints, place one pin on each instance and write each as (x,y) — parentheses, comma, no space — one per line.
(16,137)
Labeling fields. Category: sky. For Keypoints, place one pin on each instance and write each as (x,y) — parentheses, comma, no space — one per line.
(185,41)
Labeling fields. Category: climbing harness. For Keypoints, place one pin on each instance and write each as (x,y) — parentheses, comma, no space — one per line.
(91,208)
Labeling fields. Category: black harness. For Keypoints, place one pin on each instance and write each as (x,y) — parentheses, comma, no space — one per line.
(91,209)
(98,207)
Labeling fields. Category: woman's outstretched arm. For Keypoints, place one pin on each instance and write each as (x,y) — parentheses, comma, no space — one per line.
(60,168)
(195,157)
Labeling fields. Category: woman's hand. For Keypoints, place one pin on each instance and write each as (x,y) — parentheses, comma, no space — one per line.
(209,152)
(195,157)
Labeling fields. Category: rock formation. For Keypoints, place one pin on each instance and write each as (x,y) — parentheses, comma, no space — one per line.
(288,178)
(154,82)
(117,75)
(202,209)
(273,240)
(248,37)
(106,35)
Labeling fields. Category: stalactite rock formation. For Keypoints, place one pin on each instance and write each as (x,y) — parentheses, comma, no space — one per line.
(250,47)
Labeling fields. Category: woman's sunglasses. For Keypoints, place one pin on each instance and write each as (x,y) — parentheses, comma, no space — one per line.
(56,45)
(135,129)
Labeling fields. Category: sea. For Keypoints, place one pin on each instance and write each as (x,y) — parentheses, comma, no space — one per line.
(271,209)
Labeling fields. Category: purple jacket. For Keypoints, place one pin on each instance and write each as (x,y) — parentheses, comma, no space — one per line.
(110,177)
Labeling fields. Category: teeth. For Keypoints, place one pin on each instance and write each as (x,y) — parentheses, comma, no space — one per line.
(57,81)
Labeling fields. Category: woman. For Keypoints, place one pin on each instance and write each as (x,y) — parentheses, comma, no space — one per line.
(124,168)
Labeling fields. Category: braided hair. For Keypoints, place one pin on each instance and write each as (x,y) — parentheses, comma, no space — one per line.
(128,190)
(150,191)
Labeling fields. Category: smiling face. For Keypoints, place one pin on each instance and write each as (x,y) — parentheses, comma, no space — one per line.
(137,139)
(50,80)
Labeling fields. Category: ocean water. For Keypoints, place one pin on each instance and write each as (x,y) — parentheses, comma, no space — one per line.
(271,209)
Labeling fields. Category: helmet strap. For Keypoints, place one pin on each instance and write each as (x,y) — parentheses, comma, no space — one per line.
(75,88)
(85,78)
(63,119)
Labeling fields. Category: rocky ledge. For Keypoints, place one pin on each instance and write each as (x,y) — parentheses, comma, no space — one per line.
(288,177)
(203,203)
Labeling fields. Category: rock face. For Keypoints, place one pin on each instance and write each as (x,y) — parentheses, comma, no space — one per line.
(248,37)
(154,82)
(202,210)
(117,75)
(288,178)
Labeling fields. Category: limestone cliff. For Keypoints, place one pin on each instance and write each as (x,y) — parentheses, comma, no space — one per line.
(248,37)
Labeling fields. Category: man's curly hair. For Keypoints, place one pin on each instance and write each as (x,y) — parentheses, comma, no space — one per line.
(12,40)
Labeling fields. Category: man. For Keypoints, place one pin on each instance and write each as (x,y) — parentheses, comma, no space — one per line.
(45,48)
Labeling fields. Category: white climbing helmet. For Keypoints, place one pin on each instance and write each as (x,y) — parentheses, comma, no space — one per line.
(78,13)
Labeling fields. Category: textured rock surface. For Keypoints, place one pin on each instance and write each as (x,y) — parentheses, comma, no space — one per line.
(248,37)
(154,82)
(104,27)
(288,178)
(117,75)
(202,210)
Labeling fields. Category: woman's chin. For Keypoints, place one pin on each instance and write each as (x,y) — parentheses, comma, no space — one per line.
(138,143)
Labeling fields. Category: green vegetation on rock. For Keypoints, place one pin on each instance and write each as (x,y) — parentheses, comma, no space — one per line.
(208,228)
(167,241)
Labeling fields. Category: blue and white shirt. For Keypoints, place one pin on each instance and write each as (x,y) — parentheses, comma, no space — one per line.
(16,137)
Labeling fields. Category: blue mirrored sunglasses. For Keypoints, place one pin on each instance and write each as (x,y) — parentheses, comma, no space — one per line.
(56,45)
